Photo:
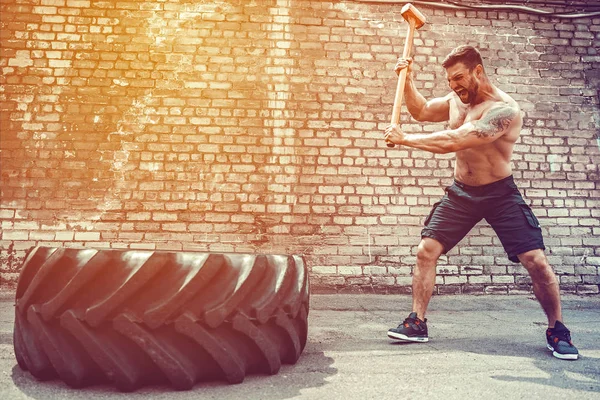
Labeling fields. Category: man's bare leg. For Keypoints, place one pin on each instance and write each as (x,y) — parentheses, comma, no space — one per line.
(424,273)
(545,284)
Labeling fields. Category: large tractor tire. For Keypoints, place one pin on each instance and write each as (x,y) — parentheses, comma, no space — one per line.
(134,318)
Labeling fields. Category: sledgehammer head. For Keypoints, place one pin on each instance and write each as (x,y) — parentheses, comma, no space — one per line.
(410,12)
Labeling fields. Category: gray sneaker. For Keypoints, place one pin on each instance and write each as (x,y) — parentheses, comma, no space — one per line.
(412,329)
(559,341)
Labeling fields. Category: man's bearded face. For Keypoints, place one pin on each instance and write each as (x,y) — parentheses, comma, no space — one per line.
(463,82)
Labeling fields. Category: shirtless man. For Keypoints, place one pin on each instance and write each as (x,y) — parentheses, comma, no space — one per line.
(484,125)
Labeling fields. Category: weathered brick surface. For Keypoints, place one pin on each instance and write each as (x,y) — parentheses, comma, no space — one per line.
(257,127)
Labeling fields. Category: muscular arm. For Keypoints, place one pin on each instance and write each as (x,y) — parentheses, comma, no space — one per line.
(472,134)
(435,110)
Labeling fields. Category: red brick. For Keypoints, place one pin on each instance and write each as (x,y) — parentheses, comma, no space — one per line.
(141,136)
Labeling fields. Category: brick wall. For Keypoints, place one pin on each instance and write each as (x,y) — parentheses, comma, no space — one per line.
(256,126)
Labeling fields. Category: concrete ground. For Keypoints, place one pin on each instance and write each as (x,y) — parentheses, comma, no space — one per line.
(490,347)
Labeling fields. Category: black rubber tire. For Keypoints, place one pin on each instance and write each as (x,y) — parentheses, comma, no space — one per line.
(135,318)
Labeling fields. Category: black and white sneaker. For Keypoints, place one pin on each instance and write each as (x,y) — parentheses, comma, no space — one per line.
(559,341)
(412,329)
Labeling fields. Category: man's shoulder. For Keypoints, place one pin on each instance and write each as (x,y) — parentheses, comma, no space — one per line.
(506,100)
(501,105)
(503,112)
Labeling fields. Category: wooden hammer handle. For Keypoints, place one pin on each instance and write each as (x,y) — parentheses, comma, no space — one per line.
(402,77)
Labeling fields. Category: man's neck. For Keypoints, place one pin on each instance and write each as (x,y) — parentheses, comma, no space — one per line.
(486,92)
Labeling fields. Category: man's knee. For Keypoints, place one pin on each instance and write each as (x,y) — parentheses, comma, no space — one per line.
(535,261)
(429,250)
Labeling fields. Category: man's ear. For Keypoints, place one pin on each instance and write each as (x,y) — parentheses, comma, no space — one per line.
(479,70)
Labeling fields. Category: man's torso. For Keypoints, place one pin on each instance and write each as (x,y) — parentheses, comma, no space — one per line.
(489,162)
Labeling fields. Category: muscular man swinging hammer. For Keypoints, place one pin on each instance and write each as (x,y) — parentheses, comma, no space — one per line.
(484,125)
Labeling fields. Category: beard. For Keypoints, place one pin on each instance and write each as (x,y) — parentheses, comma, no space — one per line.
(468,95)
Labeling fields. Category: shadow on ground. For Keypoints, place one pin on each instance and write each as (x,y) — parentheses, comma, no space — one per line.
(581,375)
(502,339)
(311,371)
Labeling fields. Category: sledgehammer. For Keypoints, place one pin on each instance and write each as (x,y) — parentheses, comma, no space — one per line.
(415,20)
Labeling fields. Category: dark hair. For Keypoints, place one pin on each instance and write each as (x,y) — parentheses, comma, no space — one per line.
(467,55)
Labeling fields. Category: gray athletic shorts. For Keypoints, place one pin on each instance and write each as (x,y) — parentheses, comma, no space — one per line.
(502,206)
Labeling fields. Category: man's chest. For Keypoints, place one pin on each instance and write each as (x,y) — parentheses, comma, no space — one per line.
(463,113)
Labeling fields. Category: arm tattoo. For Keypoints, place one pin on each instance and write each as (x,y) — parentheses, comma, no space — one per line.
(497,120)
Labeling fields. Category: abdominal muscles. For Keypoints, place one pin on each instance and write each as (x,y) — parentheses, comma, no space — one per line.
(481,166)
